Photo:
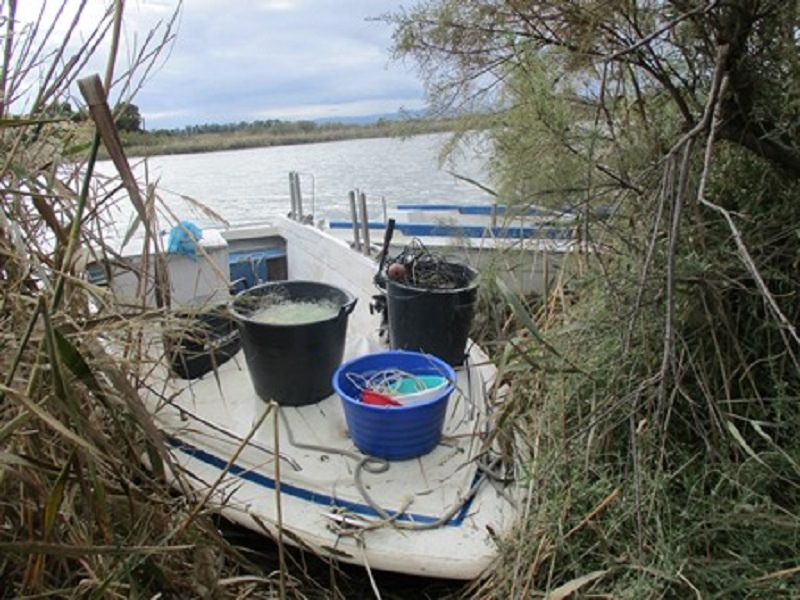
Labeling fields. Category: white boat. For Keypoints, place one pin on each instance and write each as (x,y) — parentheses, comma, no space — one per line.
(474,222)
(293,473)
(525,248)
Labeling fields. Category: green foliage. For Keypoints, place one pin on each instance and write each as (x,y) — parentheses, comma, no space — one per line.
(127,117)
(656,394)
(537,140)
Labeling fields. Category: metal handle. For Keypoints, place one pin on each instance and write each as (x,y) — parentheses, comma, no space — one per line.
(349,307)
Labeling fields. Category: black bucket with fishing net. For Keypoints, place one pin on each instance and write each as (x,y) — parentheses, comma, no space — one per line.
(293,333)
(430,303)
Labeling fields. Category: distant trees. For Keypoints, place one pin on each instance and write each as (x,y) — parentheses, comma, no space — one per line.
(127,117)
(268,125)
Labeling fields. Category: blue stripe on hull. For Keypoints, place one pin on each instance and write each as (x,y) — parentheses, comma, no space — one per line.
(309,495)
(499,209)
(547,232)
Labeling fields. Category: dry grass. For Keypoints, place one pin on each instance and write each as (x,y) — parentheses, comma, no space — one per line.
(80,515)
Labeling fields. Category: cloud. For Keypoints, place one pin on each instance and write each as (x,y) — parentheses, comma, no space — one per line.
(339,109)
(280,4)
(284,59)
(244,60)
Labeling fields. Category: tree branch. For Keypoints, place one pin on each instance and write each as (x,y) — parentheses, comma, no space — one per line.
(744,133)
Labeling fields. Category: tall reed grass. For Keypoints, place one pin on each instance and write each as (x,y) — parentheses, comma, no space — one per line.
(80,515)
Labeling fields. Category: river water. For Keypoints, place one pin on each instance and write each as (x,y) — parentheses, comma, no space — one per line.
(252,185)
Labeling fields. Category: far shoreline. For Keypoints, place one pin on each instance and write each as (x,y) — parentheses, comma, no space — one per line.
(144,144)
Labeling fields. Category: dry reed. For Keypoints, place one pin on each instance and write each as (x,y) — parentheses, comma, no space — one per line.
(81,515)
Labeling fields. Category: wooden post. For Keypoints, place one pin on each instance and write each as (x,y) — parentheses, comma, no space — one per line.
(362,198)
(92,90)
(354,217)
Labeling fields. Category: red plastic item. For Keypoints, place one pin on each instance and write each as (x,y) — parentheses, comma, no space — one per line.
(378,399)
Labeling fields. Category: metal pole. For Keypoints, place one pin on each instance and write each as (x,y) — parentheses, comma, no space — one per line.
(313,196)
(298,195)
(546,277)
(354,217)
(362,197)
(292,196)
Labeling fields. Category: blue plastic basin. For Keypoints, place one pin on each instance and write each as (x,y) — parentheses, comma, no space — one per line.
(395,432)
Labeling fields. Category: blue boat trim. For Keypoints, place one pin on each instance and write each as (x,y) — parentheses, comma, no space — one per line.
(308,495)
(349,225)
(547,232)
(499,209)
(428,207)
(480,231)
(531,211)
(251,267)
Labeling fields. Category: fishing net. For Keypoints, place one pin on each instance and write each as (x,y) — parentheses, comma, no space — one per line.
(416,265)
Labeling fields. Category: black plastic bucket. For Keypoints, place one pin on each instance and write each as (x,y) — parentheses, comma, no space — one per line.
(435,321)
(293,364)
(197,343)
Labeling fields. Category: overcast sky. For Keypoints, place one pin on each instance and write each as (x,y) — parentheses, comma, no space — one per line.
(244,60)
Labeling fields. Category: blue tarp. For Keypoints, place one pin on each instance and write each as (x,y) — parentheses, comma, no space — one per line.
(183,239)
